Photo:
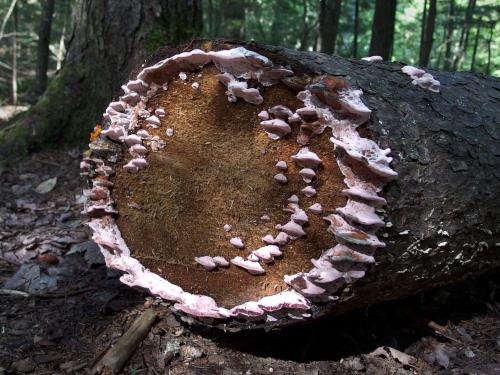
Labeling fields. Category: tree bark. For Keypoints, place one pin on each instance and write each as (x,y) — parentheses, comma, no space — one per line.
(428,34)
(449,35)
(101,53)
(42,63)
(329,16)
(383,28)
(443,208)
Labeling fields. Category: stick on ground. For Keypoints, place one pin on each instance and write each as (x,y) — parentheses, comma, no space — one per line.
(116,357)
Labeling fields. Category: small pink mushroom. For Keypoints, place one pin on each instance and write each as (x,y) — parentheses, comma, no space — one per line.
(132,139)
(139,162)
(281,112)
(195,85)
(131,167)
(153,121)
(265,218)
(309,191)
(276,128)
(143,134)
(206,262)
(281,239)
(293,199)
(300,217)
(253,268)
(227,227)
(307,174)
(268,238)
(263,115)
(316,209)
(170,132)
(137,149)
(220,261)
(306,158)
(282,165)
(237,242)
(280,178)
(293,229)
(252,257)
(160,112)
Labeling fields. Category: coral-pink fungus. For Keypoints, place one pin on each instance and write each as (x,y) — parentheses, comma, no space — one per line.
(237,242)
(306,158)
(253,268)
(276,128)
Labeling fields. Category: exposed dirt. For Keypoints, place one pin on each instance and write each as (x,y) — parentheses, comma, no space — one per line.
(218,169)
(67,328)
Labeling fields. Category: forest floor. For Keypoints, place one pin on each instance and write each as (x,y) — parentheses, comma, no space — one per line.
(73,309)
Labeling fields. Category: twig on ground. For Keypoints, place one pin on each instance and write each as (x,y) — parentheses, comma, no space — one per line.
(118,355)
(16,293)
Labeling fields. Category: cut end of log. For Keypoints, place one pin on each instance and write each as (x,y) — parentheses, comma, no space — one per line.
(232,132)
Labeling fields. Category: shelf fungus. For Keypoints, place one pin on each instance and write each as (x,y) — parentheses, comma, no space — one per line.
(154,201)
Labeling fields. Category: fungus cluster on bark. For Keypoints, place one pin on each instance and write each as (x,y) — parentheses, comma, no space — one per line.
(286,131)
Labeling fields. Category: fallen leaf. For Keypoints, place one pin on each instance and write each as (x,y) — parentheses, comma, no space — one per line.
(46,186)
(401,357)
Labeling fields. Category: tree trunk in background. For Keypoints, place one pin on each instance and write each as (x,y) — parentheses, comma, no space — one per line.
(476,42)
(383,28)
(101,54)
(422,27)
(464,36)
(14,55)
(449,35)
(234,19)
(218,21)
(210,18)
(426,46)
(356,30)
(490,39)
(42,63)
(329,15)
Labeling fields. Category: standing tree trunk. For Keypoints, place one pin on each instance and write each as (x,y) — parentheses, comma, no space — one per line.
(422,27)
(329,15)
(356,30)
(234,19)
(428,33)
(464,36)
(98,44)
(304,36)
(43,45)
(383,28)
(14,55)
(490,39)
(476,42)
(449,35)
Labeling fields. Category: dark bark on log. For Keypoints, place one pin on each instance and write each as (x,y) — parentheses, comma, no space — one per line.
(43,45)
(383,28)
(444,208)
(101,53)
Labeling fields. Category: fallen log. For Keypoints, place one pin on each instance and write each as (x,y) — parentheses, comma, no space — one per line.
(224,168)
